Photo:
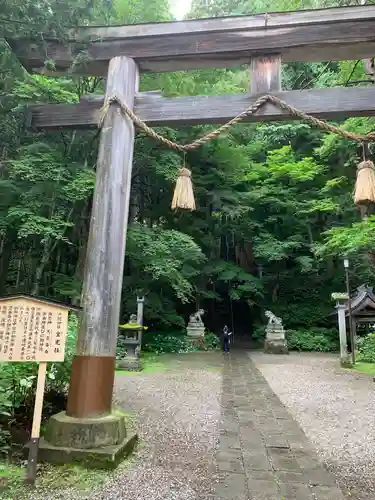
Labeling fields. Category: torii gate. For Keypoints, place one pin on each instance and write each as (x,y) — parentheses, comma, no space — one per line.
(263,41)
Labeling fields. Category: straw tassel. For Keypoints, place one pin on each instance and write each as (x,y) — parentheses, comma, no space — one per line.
(183,196)
(364,193)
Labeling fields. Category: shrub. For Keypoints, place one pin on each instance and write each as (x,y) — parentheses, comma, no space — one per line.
(313,339)
(173,341)
(259,332)
(366,348)
(211,341)
(176,341)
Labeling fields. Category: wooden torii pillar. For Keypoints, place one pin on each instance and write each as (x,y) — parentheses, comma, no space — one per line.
(91,386)
(262,41)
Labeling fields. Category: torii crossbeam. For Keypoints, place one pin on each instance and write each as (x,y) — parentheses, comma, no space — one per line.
(344,33)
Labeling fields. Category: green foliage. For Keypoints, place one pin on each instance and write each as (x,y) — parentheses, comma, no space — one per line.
(177,342)
(211,341)
(259,332)
(166,257)
(347,241)
(282,163)
(174,341)
(366,348)
(313,339)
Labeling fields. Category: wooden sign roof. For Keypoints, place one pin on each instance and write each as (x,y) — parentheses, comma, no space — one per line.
(42,300)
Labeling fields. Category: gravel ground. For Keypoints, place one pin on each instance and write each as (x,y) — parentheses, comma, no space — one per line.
(177,416)
(335,408)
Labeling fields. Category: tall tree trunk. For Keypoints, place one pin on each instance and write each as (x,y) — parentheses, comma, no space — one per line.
(18,279)
(42,264)
(83,231)
(78,274)
(5,258)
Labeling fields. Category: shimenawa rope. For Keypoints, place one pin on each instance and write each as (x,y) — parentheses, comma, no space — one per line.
(184,191)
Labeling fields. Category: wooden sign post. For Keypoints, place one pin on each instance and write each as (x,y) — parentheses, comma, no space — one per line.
(37,419)
(33,330)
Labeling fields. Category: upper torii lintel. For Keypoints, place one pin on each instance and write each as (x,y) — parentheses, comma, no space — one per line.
(342,33)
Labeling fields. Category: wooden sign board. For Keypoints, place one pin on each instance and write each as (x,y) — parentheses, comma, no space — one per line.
(32,329)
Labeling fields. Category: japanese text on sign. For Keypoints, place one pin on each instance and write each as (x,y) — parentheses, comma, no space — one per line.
(32,330)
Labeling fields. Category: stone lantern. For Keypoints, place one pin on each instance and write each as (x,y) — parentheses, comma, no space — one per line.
(132,332)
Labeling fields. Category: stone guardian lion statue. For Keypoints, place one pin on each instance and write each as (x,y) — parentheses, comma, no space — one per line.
(273,319)
(197,317)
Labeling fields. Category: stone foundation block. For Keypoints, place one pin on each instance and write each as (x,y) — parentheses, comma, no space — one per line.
(272,347)
(94,442)
(83,433)
(130,364)
(106,457)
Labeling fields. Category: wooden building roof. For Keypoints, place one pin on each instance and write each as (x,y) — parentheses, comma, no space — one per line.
(363,303)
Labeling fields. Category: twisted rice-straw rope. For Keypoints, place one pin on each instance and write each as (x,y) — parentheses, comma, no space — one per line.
(251,110)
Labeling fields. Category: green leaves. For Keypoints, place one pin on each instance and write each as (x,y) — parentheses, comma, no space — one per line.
(281,163)
(30,224)
(366,349)
(267,247)
(165,256)
(38,88)
(346,241)
(313,339)
(80,186)
(50,188)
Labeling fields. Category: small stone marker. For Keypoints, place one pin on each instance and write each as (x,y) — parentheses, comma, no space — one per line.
(33,330)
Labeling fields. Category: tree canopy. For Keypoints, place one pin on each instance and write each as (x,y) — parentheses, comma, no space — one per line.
(274,201)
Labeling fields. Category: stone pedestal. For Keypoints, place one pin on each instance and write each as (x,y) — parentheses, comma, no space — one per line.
(100,442)
(131,361)
(195,330)
(132,344)
(275,342)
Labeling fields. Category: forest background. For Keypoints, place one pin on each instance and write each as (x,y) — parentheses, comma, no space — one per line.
(274,211)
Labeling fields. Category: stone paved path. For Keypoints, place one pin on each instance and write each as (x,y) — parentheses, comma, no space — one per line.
(334,407)
(262,452)
(210,429)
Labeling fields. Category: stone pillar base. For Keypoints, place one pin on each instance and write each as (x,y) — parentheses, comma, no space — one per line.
(275,347)
(346,361)
(131,364)
(96,442)
(195,341)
